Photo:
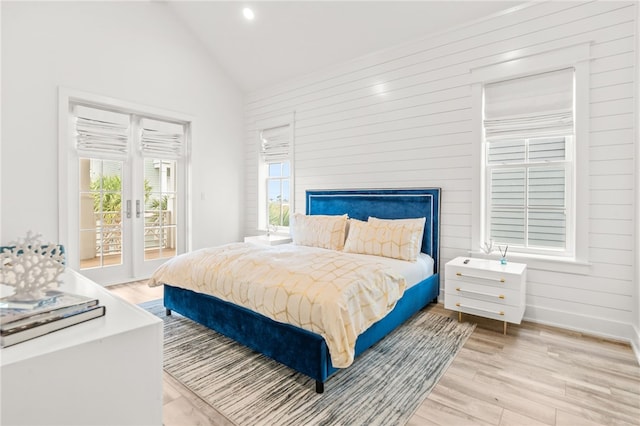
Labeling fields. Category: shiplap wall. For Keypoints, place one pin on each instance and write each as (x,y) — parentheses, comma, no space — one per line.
(403,118)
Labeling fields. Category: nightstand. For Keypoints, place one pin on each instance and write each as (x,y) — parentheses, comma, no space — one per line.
(486,288)
(269,240)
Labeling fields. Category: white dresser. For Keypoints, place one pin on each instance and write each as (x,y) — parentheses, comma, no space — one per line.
(486,288)
(106,371)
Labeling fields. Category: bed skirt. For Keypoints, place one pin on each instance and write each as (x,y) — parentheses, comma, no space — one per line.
(302,350)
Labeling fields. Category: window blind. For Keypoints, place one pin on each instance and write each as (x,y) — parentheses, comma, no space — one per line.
(100,133)
(532,106)
(275,144)
(161,139)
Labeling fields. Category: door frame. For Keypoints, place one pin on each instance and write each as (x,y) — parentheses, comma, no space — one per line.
(68,201)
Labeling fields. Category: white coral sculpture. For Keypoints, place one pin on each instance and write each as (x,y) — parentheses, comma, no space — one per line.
(31,267)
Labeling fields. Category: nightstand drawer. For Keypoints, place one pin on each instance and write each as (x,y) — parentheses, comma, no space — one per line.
(493,294)
(477,276)
(483,308)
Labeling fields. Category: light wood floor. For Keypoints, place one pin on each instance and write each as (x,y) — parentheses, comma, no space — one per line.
(535,375)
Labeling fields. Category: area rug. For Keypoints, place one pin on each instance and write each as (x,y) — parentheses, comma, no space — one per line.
(384,386)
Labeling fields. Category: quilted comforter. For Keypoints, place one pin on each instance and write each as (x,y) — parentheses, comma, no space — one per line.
(336,295)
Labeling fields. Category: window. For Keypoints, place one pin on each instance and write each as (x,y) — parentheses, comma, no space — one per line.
(276,149)
(278,194)
(528,160)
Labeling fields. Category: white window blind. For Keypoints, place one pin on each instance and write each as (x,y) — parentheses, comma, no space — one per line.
(161,139)
(539,105)
(275,144)
(529,131)
(100,133)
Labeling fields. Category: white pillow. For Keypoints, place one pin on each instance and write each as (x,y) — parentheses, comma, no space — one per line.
(319,230)
(395,238)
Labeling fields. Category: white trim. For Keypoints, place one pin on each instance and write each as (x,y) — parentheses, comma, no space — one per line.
(79,96)
(599,327)
(273,122)
(542,262)
(478,198)
(292,166)
(636,317)
(635,342)
(536,63)
(1,240)
(581,161)
(64,97)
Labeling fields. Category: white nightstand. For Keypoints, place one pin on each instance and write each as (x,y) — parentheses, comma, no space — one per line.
(269,240)
(486,288)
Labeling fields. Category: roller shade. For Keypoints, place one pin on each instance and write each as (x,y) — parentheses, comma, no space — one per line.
(275,143)
(161,139)
(100,133)
(532,106)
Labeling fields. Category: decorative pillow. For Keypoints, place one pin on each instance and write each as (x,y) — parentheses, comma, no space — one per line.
(396,238)
(319,231)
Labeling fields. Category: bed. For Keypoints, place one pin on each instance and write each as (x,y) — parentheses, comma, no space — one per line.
(305,351)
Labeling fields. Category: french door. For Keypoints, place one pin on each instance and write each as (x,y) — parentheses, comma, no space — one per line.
(129,216)
(126,204)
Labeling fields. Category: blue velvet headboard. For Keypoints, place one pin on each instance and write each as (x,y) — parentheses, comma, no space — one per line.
(385,204)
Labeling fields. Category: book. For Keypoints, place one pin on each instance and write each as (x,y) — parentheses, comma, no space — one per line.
(19,336)
(48,316)
(10,310)
(11,303)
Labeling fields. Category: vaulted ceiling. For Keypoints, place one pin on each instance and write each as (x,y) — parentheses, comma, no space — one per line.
(288,39)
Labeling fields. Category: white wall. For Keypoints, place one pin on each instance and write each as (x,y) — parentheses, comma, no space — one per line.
(132,51)
(402,118)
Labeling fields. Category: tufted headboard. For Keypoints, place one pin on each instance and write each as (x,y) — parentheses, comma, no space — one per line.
(384,204)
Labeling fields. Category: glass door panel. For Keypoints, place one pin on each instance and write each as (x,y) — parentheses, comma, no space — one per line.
(101,226)
(160,212)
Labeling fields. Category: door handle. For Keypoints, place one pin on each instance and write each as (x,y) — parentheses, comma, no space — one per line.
(128,212)
(137,208)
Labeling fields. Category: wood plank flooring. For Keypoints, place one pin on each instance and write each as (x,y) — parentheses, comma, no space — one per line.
(535,375)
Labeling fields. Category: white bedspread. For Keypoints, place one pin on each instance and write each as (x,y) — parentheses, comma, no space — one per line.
(336,295)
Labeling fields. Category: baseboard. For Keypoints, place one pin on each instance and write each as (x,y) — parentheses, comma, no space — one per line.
(599,327)
(635,342)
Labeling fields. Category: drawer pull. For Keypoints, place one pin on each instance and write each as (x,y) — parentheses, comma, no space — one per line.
(482,278)
(480,309)
(499,296)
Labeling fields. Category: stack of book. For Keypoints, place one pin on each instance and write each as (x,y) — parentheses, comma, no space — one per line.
(22,320)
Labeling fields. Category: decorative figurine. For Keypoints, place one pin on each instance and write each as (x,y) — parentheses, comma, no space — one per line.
(503,259)
(31,267)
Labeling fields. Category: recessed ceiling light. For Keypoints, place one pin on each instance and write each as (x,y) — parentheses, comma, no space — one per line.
(248,13)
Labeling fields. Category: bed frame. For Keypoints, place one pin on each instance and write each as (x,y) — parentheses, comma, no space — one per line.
(302,350)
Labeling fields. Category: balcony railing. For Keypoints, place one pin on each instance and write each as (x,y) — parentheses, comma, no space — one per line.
(158,231)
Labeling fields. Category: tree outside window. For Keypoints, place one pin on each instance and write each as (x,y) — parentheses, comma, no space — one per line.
(278,193)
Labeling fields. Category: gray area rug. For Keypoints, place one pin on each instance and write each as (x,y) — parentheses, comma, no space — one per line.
(384,386)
